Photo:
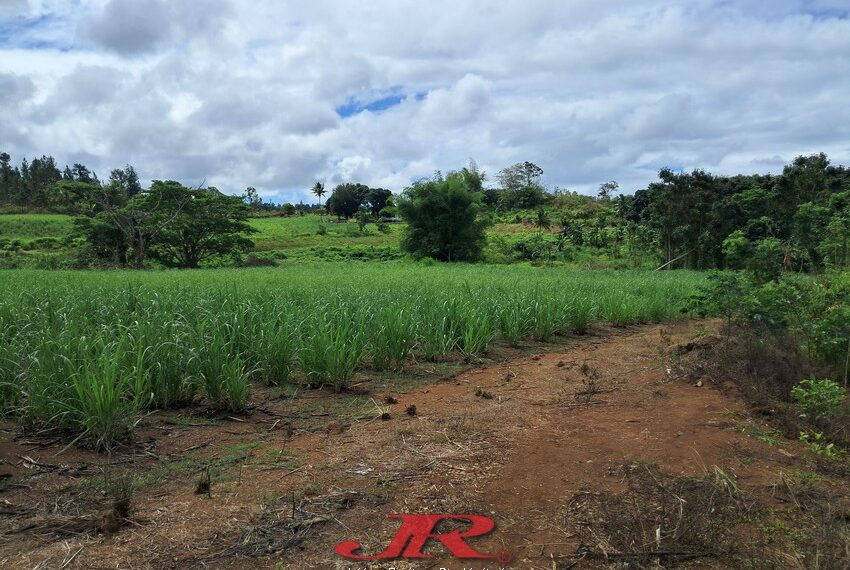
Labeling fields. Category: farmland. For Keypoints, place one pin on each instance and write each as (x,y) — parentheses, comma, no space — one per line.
(88,352)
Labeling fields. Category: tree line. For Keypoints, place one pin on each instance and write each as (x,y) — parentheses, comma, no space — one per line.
(797,220)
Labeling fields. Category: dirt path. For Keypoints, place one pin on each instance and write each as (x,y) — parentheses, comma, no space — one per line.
(515,441)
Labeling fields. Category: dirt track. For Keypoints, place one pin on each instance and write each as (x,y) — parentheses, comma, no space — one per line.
(514,440)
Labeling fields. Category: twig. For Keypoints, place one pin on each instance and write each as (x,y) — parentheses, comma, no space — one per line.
(71,559)
(291,472)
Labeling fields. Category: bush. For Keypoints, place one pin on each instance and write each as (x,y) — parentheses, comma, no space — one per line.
(818,398)
(766,262)
(443,221)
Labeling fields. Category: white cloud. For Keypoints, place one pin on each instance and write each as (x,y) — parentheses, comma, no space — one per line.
(242,94)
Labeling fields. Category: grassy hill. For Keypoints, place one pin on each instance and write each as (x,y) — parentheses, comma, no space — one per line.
(30,227)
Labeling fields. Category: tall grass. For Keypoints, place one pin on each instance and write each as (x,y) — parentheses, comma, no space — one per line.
(332,347)
(394,336)
(88,352)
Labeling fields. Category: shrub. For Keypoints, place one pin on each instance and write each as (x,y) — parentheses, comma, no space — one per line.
(818,398)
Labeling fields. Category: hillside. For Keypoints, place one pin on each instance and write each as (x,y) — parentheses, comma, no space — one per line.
(48,241)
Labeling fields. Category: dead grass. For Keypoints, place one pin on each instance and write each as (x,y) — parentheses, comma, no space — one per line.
(764,367)
(660,519)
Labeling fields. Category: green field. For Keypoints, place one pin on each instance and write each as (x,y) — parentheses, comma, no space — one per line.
(89,351)
(304,231)
(45,241)
(30,227)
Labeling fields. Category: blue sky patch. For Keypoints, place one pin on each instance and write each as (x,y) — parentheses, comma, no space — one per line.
(30,33)
(353,106)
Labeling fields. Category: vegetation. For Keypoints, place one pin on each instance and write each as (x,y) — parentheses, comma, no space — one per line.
(443,219)
(88,352)
(797,221)
(787,342)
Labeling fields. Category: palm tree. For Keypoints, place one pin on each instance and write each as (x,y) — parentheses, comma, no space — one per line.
(542,221)
(319,191)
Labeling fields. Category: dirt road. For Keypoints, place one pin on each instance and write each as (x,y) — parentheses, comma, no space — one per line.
(517,441)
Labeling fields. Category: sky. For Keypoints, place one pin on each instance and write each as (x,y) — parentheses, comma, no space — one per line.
(280,94)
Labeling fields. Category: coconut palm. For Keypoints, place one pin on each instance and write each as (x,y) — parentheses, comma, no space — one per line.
(319,191)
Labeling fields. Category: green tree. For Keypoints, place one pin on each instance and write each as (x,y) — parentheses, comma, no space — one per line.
(125,181)
(106,242)
(198,224)
(810,221)
(474,176)
(737,248)
(71,196)
(766,261)
(346,199)
(443,219)
(252,198)
(8,178)
(521,186)
(607,190)
(542,221)
(37,178)
(835,246)
(377,199)
(319,191)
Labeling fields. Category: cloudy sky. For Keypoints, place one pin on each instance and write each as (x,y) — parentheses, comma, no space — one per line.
(278,94)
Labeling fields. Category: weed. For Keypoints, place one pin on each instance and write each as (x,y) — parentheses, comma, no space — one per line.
(818,399)
(819,445)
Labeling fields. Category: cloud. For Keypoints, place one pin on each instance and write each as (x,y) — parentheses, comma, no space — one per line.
(278,95)
(142,26)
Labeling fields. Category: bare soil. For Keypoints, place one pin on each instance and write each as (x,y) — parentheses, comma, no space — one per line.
(566,450)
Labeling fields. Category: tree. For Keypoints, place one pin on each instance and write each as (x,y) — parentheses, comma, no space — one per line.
(474,176)
(106,241)
(8,178)
(521,186)
(607,190)
(71,196)
(37,178)
(836,240)
(443,220)
(542,221)
(252,198)
(346,199)
(377,199)
(82,174)
(520,175)
(810,221)
(363,218)
(140,218)
(199,224)
(737,248)
(319,191)
(126,181)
